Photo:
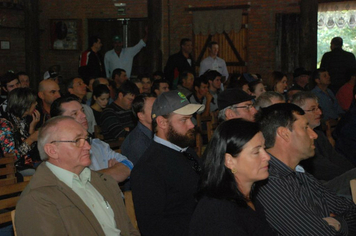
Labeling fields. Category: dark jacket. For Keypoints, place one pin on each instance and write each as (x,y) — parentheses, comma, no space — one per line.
(177,64)
(337,63)
(222,217)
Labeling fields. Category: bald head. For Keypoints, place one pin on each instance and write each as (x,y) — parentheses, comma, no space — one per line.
(48,91)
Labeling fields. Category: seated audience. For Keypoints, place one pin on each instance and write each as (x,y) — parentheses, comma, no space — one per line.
(159,86)
(279,82)
(77,87)
(100,100)
(103,158)
(117,119)
(138,83)
(146,82)
(53,75)
(48,91)
(233,161)
(201,95)
(269,98)
(65,197)
(295,202)
(327,100)
(138,140)
(186,83)
(166,177)
(345,133)
(16,136)
(214,79)
(158,75)
(24,79)
(9,82)
(345,95)
(119,77)
(256,88)
(327,165)
(235,103)
(98,81)
(300,79)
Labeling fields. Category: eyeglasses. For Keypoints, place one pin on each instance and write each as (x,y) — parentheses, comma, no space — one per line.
(247,107)
(79,142)
(196,167)
(315,109)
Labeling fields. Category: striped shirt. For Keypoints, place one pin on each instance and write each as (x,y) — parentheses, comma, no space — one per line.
(295,203)
(114,120)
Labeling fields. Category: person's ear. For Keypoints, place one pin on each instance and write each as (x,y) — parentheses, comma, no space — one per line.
(51,150)
(40,95)
(283,133)
(140,115)
(162,122)
(228,161)
(94,97)
(230,114)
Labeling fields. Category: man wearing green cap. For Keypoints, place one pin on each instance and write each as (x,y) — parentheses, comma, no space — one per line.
(120,57)
(166,177)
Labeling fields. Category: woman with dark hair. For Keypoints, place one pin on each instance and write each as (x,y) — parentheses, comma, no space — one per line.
(16,136)
(279,81)
(99,100)
(233,161)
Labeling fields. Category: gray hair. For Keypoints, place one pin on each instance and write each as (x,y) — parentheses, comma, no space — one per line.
(46,132)
(222,113)
(300,98)
(264,100)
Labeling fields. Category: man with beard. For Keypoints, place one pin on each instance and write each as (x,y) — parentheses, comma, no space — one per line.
(165,178)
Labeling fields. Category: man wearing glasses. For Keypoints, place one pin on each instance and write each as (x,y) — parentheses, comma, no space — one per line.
(235,103)
(166,177)
(330,167)
(65,197)
(103,158)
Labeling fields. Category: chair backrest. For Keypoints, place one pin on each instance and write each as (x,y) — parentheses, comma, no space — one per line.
(353,189)
(9,195)
(130,208)
(7,169)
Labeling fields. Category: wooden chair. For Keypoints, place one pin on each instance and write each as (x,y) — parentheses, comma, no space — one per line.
(330,127)
(130,208)
(7,169)
(353,189)
(9,195)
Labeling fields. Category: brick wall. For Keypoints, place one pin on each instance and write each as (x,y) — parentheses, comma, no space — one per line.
(261,31)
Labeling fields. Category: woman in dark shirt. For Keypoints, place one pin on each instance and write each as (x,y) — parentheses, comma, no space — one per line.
(234,160)
(99,100)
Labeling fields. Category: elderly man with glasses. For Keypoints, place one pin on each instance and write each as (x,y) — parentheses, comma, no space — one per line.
(65,197)
(235,103)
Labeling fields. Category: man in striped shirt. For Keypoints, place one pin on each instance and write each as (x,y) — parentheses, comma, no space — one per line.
(295,202)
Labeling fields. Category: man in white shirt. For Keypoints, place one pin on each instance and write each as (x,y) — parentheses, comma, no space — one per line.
(120,57)
(64,196)
(213,62)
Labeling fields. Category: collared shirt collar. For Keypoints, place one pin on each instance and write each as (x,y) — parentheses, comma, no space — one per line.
(144,130)
(277,167)
(169,144)
(68,177)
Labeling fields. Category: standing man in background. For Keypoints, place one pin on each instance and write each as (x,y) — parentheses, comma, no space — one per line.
(213,62)
(120,57)
(337,63)
(91,63)
(180,62)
